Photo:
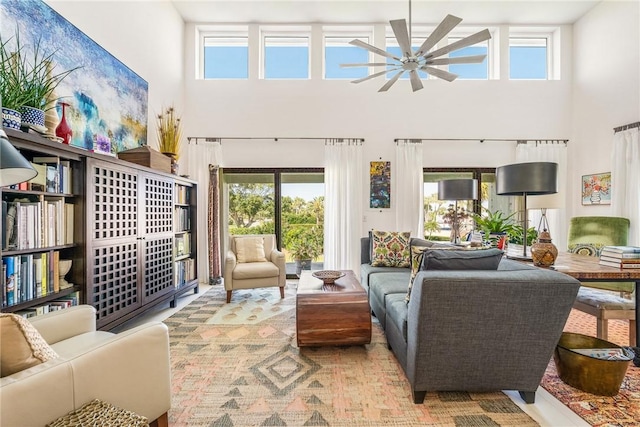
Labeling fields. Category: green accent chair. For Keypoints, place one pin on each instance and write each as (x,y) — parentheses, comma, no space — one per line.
(589,234)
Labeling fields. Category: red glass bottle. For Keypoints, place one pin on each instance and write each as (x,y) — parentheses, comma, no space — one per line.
(63,130)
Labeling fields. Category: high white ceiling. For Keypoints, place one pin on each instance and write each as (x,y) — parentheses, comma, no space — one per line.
(372,11)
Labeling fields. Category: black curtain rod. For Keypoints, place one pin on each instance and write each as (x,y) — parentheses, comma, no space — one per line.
(270,138)
(625,127)
(481,140)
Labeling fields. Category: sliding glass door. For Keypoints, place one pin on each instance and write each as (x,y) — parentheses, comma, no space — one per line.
(286,202)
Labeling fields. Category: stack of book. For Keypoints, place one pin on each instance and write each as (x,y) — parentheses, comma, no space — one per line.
(620,256)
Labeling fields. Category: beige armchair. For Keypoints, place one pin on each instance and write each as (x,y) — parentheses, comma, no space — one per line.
(129,370)
(252,261)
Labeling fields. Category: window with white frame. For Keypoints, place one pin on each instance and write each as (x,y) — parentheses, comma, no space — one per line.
(529,58)
(479,71)
(285,53)
(225,56)
(337,51)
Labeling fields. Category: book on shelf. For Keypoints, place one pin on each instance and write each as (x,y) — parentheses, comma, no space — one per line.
(619,264)
(619,255)
(10,277)
(620,260)
(3,230)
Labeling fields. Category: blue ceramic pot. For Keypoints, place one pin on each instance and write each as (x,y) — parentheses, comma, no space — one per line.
(32,116)
(11,118)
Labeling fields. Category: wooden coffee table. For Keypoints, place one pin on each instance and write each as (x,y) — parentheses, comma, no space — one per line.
(337,314)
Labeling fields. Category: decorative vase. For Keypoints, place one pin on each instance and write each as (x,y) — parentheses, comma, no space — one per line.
(63,130)
(64,265)
(543,252)
(32,117)
(11,119)
(174,162)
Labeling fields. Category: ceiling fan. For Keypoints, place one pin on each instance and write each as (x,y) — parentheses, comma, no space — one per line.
(422,59)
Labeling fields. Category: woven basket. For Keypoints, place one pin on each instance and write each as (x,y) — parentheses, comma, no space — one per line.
(98,413)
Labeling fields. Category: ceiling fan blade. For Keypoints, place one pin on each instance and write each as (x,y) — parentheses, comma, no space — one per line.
(447,24)
(475,59)
(374,75)
(371,64)
(399,27)
(391,81)
(373,49)
(478,37)
(416,83)
(445,75)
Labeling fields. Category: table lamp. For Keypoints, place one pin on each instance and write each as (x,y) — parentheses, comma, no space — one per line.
(457,189)
(527,179)
(14,168)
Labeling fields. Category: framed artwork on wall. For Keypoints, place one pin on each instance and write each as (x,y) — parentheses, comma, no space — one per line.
(596,189)
(380,184)
(104,98)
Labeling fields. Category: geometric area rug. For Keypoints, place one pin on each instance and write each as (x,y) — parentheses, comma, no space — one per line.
(238,365)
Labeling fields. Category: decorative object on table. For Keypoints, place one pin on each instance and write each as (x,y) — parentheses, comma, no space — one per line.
(527,179)
(328,277)
(64,266)
(102,145)
(422,59)
(583,362)
(63,130)
(147,156)
(543,251)
(115,101)
(14,168)
(596,189)
(495,226)
(457,189)
(169,136)
(380,182)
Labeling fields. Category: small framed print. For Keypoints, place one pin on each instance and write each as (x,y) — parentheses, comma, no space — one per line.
(596,189)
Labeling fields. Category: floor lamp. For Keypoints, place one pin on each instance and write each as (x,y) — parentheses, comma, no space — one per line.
(457,189)
(14,168)
(527,179)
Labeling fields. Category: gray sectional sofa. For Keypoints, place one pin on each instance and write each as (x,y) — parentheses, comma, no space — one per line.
(470,330)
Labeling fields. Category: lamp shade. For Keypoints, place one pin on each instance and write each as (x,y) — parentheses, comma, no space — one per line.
(545,201)
(14,168)
(458,189)
(533,178)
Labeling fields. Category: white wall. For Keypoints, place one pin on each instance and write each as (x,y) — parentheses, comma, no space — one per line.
(606,89)
(147,36)
(318,108)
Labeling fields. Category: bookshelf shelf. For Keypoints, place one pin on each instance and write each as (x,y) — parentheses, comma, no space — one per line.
(123,220)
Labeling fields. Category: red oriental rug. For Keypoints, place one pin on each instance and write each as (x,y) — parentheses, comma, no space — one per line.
(622,410)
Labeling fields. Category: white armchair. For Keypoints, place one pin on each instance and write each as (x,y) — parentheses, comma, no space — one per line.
(129,370)
(253,261)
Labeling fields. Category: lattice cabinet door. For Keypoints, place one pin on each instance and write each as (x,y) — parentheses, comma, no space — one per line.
(157,225)
(113,244)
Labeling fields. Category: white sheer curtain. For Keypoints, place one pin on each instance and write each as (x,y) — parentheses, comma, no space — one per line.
(201,154)
(343,204)
(625,180)
(409,188)
(549,151)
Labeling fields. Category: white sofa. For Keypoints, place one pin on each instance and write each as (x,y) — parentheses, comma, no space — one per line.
(129,370)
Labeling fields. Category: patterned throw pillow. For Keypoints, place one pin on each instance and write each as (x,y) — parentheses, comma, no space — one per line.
(390,249)
(417,254)
(22,345)
(591,249)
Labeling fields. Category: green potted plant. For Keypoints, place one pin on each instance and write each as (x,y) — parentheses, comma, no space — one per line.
(169,130)
(305,248)
(494,225)
(10,86)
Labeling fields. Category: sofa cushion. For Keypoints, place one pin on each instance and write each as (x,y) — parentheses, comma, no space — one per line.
(417,255)
(368,270)
(250,249)
(397,312)
(21,345)
(390,248)
(442,259)
(252,270)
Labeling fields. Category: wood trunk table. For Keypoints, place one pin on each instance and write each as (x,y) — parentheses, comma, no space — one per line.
(588,269)
(337,314)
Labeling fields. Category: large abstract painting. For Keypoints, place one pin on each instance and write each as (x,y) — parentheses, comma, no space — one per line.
(106,99)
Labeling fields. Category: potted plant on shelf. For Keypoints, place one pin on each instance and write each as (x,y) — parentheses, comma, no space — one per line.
(38,82)
(495,226)
(10,86)
(169,129)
